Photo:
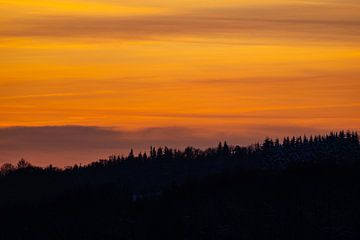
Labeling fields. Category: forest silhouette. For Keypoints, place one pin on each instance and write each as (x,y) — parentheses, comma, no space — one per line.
(293,188)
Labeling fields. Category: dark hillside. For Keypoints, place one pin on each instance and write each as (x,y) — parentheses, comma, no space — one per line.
(302,188)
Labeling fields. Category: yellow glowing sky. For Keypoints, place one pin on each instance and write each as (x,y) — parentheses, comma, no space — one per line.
(206,64)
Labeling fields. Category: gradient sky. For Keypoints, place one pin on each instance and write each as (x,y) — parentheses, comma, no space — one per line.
(110,75)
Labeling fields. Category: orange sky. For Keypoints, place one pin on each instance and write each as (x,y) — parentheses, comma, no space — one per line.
(219,68)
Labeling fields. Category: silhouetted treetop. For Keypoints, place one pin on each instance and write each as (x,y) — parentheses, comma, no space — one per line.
(333,148)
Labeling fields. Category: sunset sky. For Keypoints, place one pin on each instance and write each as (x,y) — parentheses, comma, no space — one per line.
(82,79)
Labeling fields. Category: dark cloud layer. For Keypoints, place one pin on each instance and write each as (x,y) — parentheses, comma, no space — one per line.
(298,21)
(67,145)
(75,138)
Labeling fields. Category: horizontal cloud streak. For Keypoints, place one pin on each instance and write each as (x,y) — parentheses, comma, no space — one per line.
(298,21)
(52,95)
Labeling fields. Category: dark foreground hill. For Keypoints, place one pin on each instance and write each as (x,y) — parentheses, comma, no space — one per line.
(302,188)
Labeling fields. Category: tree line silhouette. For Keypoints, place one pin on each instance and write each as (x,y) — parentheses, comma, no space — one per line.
(294,188)
(333,148)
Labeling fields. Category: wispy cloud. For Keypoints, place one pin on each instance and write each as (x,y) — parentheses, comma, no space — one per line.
(52,95)
(298,21)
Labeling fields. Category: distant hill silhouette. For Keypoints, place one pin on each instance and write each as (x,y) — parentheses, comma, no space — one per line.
(296,188)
